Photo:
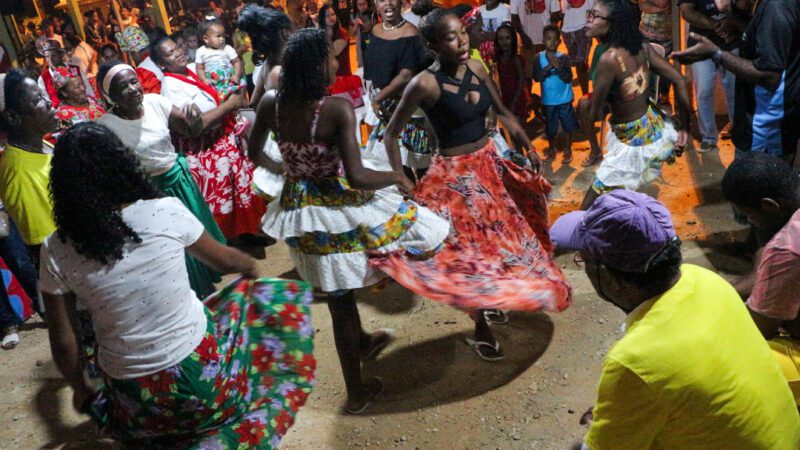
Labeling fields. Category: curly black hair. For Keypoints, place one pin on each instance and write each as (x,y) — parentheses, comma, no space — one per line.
(423,7)
(86,208)
(755,176)
(429,25)
(266,28)
(623,26)
(514,37)
(304,76)
(12,87)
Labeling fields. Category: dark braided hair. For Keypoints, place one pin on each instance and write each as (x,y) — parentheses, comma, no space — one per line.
(429,25)
(92,175)
(623,29)
(266,28)
(304,76)
(12,86)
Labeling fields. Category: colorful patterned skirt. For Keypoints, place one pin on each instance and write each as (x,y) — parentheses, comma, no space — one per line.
(240,388)
(416,148)
(331,229)
(498,256)
(177,182)
(635,152)
(224,174)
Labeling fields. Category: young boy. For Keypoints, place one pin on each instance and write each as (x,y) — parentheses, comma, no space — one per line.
(554,71)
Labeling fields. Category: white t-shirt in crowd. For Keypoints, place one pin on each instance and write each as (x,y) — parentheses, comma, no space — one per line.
(214,59)
(180,93)
(149,136)
(533,24)
(496,17)
(411,17)
(574,18)
(82,57)
(146,316)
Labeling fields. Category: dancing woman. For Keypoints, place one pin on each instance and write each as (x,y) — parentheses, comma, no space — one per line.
(395,54)
(143,123)
(640,138)
(333,211)
(268,30)
(499,255)
(178,373)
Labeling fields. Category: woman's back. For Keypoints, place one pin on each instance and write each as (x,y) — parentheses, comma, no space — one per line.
(304,142)
(146,316)
(630,92)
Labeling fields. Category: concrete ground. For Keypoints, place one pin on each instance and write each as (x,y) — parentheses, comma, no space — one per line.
(439,395)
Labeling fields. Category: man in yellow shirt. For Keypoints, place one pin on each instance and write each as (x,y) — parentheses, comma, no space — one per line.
(692,371)
(26,115)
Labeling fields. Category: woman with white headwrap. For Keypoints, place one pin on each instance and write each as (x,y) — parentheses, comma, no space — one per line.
(143,123)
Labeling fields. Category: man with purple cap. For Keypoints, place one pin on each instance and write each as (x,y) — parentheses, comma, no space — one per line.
(683,375)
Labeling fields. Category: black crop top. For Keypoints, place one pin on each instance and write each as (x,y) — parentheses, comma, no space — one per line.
(384,59)
(456,120)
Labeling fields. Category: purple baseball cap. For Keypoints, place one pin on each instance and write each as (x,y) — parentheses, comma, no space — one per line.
(623,229)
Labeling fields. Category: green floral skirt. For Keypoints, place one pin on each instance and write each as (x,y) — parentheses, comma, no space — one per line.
(240,388)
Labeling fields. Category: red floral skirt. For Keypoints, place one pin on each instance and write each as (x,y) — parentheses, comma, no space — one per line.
(219,165)
(498,255)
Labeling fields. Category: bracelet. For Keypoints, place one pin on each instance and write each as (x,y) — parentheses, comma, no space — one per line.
(717,56)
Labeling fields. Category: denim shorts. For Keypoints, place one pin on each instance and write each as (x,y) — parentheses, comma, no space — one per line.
(555,114)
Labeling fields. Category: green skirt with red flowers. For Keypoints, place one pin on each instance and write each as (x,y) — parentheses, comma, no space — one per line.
(240,388)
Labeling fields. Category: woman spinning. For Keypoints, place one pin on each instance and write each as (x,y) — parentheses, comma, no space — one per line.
(499,255)
(640,138)
(333,211)
(178,373)
(395,54)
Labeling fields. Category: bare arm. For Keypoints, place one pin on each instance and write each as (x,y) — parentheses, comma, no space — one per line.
(607,71)
(265,123)
(422,87)
(200,69)
(214,117)
(517,24)
(238,70)
(64,344)
(339,45)
(395,87)
(666,70)
(695,18)
(359,176)
(222,258)
(260,88)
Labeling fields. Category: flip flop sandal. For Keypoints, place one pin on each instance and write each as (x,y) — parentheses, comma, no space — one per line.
(476,347)
(388,338)
(10,340)
(363,408)
(495,316)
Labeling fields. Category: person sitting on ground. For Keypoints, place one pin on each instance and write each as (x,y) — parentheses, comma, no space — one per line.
(553,70)
(765,189)
(178,373)
(692,371)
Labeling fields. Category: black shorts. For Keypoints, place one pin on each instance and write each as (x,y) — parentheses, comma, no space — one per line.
(555,114)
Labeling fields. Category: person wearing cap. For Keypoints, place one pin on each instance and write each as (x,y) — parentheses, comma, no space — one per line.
(692,370)
(56,58)
(765,189)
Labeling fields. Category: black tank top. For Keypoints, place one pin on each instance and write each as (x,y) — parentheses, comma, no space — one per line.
(456,120)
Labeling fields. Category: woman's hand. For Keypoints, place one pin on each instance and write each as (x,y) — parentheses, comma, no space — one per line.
(405,184)
(194,118)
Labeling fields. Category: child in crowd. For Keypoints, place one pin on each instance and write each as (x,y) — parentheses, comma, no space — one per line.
(509,69)
(554,71)
(218,64)
(192,42)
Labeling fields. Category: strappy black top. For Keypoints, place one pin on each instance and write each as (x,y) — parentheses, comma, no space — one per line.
(454,118)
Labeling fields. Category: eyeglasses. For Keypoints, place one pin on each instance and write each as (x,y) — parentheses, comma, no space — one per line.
(591,15)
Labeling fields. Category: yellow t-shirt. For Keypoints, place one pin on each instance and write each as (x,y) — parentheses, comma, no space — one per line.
(693,372)
(24,180)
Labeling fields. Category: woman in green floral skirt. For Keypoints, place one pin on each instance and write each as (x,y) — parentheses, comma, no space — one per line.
(229,372)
